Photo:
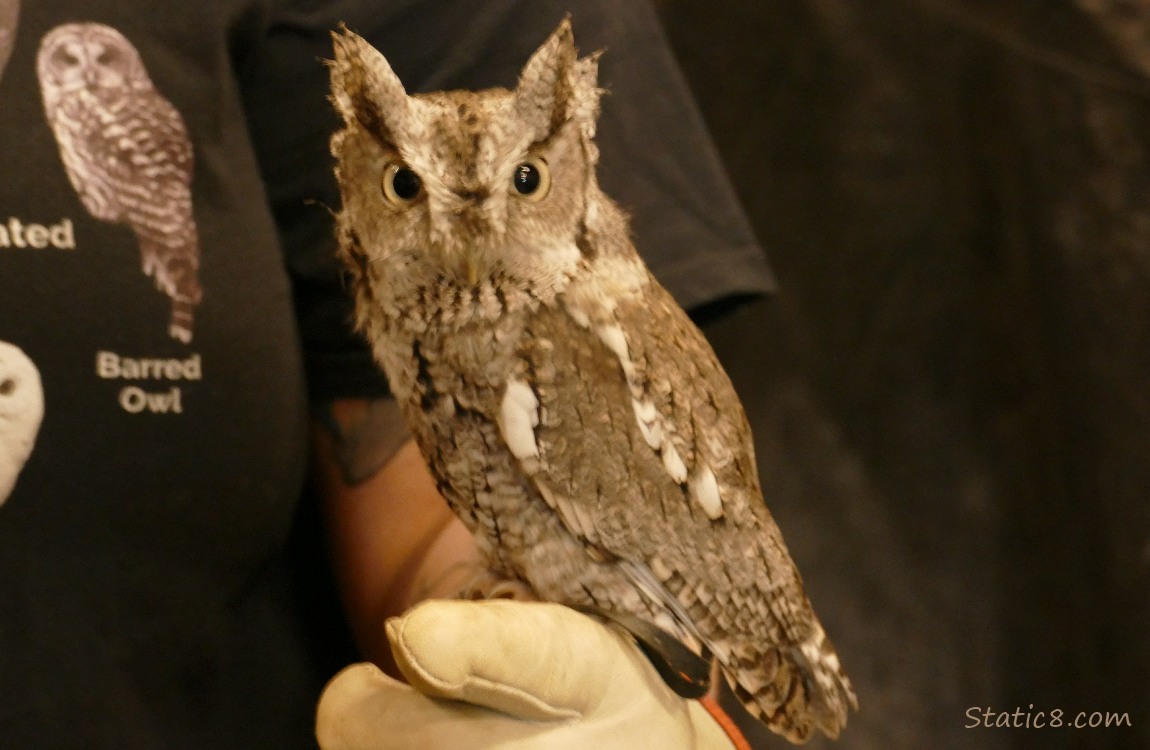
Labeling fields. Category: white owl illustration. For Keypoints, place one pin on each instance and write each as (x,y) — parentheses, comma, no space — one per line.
(127,153)
(21,409)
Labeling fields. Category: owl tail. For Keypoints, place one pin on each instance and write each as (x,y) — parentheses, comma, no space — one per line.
(792,697)
(794,689)
(175,269)
(181,324)
(185,296)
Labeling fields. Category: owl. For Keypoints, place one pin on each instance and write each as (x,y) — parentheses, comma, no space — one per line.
(21,409)
(126,152)
(572,415)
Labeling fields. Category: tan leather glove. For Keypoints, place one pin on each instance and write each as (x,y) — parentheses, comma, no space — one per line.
(509,674)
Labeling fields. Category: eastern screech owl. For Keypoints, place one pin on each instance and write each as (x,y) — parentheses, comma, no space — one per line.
(573,416)
(127,153)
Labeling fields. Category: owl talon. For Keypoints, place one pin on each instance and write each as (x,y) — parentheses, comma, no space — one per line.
(486,585)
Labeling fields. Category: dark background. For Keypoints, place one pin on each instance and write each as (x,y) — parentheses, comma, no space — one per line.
(951,389)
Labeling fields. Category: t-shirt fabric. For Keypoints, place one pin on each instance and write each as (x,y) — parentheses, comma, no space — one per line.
(169,301)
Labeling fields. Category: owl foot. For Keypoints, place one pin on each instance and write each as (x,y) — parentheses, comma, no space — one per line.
(487,585)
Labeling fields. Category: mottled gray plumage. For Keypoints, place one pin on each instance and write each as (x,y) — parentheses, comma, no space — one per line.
(126,151)
(572,415)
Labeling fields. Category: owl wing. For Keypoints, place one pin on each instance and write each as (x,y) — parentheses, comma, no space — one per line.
(151,146)
(125,155)
(642,448)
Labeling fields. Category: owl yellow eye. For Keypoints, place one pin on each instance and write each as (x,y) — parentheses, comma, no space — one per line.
(532,179)
(401,185)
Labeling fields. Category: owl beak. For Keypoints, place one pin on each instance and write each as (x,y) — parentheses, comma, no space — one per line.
(474,219)
(462,251)
(466,229)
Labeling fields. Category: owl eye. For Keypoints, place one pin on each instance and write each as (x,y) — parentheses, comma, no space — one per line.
(401,185)
(67,58)
(532,179)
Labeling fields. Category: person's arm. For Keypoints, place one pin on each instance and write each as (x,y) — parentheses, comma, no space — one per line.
(393,540)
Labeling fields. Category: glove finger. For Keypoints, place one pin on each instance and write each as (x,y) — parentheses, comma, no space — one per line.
(363,709)
(356,706)
(528,659)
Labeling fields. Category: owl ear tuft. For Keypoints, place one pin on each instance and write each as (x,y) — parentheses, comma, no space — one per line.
(364,88)
(586,93)
(556,87)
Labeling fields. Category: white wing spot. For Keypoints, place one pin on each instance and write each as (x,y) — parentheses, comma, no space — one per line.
(579,316)
(647,416)
(673,463)
(811,652)
(518,418)
(660,569)
(649,426)
(705,491)
(616,341)
(547,494)
(645,410)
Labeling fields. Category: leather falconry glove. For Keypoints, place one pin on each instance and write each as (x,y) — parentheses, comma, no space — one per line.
(512,675)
